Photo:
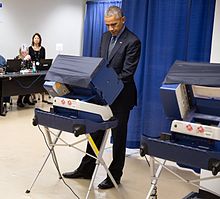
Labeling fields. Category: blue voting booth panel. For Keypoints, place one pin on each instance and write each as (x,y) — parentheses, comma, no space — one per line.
(169,101)
(86,77)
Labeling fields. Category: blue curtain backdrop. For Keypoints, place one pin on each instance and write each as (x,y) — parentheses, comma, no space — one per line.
(94,24)
(169,30)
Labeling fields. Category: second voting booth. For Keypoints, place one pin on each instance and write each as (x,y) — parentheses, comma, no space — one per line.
(190,97)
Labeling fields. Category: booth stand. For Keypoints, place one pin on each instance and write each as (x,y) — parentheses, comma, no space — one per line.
(82,90)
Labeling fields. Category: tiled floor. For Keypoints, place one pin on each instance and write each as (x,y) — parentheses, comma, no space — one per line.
(22,152)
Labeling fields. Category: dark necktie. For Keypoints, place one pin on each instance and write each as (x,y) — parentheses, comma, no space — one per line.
(111,45)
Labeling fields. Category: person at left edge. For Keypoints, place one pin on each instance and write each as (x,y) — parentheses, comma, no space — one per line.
(2,63)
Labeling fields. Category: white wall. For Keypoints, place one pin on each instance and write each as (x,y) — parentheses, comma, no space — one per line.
(58,21)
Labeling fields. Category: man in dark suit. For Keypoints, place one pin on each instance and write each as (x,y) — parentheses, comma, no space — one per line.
(122,50)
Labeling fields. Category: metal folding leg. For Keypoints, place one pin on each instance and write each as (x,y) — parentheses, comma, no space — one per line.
(52,152)
(99,154)
(155,174)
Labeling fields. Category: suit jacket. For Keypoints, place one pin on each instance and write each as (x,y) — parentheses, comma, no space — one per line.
(124,60)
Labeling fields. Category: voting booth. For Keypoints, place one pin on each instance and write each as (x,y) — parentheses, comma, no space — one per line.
(82,90)
(190,97)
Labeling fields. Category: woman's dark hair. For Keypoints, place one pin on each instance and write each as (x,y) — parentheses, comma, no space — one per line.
(36,34)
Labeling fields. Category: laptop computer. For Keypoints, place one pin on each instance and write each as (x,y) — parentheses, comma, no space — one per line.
(13,65)
(44,64)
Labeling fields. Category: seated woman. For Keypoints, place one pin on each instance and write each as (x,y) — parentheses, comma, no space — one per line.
(25,64)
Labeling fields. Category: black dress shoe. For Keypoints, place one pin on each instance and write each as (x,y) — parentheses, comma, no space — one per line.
(34,101)
(107,184)
(76,174)
(27,101)
(20,104)
(30,103)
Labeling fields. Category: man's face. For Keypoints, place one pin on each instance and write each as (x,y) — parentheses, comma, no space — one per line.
(114,24)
